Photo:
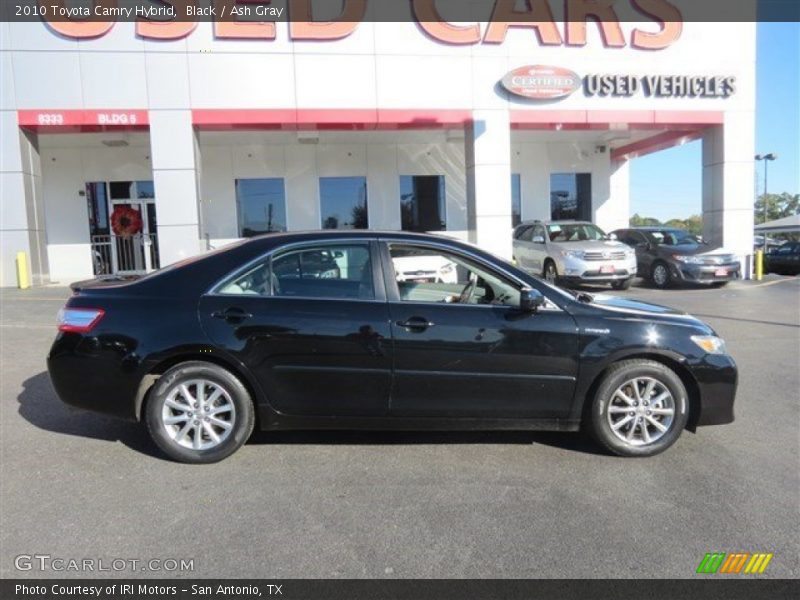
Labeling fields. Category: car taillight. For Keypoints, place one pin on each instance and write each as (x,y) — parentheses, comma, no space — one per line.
(79,320)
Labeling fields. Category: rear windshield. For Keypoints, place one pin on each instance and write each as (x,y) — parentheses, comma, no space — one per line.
(574,232)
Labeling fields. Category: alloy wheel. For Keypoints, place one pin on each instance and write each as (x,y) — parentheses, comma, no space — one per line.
(198,414)
(660,275)
(641,411)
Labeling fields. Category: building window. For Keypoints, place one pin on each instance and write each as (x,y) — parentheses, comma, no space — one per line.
(571,196)
(422,203)
(516,200)
(261,206)
(343,202)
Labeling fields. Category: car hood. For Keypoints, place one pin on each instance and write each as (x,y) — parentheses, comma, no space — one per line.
(590,245)
(695,250)
(620,303)
(627,307)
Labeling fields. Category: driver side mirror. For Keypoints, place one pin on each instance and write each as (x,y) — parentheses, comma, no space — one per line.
(530,300)
(538,239)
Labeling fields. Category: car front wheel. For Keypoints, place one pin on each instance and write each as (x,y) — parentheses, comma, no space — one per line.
(640,409)
(199,412)
(660,275)
(550,272)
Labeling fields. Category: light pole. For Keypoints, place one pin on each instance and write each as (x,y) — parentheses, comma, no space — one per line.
(766,158)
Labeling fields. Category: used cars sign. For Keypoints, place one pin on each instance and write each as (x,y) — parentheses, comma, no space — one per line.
(540,82)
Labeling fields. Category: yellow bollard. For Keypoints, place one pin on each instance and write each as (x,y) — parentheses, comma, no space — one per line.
(23,281)
(759,264)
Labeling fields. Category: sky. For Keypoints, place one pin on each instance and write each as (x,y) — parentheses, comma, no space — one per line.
(668,184)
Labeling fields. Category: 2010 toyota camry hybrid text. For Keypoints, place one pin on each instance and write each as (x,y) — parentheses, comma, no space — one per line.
(371,330)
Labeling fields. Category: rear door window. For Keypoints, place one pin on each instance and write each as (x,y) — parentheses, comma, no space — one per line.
(335,271)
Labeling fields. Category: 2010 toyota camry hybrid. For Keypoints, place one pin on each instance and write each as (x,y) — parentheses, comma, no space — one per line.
(371,330)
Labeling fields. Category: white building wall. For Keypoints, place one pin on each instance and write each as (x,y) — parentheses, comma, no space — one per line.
(67,169)
(301,166)
(535,161)
(379,66)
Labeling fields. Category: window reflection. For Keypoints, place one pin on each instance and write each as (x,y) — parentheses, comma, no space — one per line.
(343,202)
(261,206)
(571,196)
(422,203)
(516,200)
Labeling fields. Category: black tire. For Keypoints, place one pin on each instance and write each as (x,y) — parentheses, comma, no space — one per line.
(243,415)
(624,284)
(719,284)
(617,375)
(550,272)
(660,278)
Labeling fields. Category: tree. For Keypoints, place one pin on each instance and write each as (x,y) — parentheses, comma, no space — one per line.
(637,221)
(778,206)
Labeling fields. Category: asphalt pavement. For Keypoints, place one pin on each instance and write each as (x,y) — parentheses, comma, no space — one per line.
(75,485)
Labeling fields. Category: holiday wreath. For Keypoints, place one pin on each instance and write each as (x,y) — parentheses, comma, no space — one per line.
(125,221)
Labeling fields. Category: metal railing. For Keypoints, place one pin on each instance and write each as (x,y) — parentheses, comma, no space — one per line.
(112,254)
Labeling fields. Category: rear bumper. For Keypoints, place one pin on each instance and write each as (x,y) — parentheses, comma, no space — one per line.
(95,373)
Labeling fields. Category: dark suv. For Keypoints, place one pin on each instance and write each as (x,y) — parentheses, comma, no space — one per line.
(665,255)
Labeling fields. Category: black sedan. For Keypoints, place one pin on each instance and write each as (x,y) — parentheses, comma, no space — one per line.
(784,260)
(205,350)
(666,255)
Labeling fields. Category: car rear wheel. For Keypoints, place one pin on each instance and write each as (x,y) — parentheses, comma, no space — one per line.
(624,284)
(199,412)
(550,273)
(640,408)
(660,275)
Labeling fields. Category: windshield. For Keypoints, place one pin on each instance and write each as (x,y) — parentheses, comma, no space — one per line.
(673,237)
(574,232)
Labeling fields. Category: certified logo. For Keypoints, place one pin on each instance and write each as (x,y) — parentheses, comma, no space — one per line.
(540,82)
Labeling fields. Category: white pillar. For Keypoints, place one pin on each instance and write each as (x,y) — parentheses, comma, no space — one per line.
(22,227)
(487,150)
(176,177)
(614,213)
(728,184)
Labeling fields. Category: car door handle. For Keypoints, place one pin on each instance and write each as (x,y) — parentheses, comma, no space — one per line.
(415,324)
(232,315)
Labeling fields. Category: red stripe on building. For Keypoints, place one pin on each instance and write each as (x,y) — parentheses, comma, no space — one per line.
(59,120)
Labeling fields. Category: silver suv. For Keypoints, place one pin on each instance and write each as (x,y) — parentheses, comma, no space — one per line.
(573,252)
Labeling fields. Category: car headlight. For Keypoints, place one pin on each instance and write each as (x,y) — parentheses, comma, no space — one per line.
(710,343)
(689,260)
(572,254)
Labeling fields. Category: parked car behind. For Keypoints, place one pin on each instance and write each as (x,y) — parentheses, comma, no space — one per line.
(784,260)
(665,255)
(573,252)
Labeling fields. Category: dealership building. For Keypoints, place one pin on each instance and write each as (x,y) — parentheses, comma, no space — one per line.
(131,145)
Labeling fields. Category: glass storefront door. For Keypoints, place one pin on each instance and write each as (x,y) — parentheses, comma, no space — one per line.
(123,227)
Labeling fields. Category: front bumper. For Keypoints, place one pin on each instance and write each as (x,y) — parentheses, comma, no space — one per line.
(595,271)
(707,273)
(717,380)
